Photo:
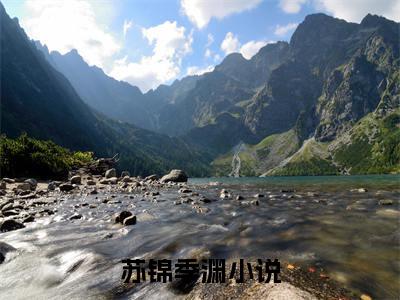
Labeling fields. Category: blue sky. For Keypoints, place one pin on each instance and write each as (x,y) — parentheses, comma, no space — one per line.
(151,42)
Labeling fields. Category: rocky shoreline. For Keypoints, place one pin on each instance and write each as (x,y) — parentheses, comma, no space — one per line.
(23,201)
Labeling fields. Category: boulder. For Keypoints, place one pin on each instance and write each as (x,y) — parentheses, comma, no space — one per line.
(130,221)
(3,185)
(9,225)
(66,187)
(110,173)
(4,249)
(8,180)
(119,218)
(91,182)
(125,173)
(51,186)
(76,179)
(175,176)
(32,182)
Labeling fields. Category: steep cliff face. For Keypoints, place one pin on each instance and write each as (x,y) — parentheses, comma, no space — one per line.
(337,73)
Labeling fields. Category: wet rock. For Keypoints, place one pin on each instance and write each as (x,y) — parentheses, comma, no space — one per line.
(76,179)
(125,174)
(29,219)
(8,180)
(51,186)
(205,200)
(76,217)
(119,218)
(91,182)
(239,198)
(129,221)
(184,191)
(93,192)
(24,186)
(3,185)
(104,181)
(9,225)
(287,191)
(4,249)
(10,212)
(151,178)
(32,182)
(92,205)
(66,187)
(175,176)
(110,173)
(259,196)
(385,202)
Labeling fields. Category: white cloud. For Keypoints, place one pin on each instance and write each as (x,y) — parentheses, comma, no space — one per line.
(210,40)
(251,48)
(198,71)
(356,10)
(282,30)
(170,44)
(127,25)
(208,53)
(291,6)
(66,25)
(230,43)
(217,58)
(200,12)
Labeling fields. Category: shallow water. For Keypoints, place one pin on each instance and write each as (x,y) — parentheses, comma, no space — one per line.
(350,236)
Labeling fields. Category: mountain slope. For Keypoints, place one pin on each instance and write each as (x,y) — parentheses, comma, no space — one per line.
(37,99)
(115,99)
(337,74)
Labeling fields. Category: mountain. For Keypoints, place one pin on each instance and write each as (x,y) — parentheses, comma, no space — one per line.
(115,99)
(327,102)
(325,110)
(39,100)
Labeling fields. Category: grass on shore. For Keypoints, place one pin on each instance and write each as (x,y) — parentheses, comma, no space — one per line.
(28,157)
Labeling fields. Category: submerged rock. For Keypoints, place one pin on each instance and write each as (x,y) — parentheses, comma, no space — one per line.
(175,176)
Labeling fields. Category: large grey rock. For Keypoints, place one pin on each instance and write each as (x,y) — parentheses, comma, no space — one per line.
(111,173)
(175,176)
